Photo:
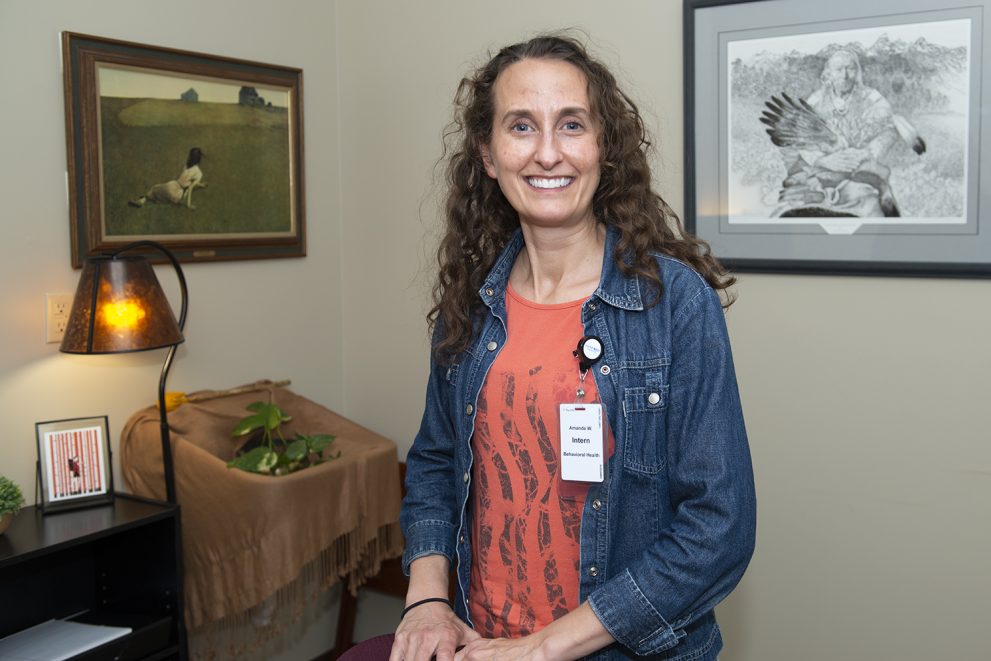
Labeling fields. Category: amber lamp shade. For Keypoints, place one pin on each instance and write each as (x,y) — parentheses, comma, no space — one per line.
(119,307)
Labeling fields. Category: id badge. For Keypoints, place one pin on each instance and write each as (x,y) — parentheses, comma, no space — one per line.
(581,442)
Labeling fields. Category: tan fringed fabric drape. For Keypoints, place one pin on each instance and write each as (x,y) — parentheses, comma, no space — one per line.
(257,548)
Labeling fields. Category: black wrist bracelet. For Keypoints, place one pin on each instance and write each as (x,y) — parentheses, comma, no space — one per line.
(421,602)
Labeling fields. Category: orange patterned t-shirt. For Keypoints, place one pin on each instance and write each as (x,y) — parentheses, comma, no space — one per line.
(525,521)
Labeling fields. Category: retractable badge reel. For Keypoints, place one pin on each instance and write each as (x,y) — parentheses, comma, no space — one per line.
(588,352)
(581,424)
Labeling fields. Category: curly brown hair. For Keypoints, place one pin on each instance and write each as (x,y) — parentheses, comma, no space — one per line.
(480,221)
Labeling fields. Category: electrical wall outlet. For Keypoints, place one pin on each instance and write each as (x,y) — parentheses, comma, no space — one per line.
(57,308)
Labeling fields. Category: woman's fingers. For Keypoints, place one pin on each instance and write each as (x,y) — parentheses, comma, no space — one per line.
(430,630)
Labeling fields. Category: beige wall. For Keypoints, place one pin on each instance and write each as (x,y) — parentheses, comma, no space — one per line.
(864,397)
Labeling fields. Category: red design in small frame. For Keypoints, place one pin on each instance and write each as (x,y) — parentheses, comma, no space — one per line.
(74,468)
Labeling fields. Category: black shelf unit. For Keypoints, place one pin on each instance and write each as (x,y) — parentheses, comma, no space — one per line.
(116,564)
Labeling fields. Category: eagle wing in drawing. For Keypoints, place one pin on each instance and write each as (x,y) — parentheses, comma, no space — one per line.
(796,124)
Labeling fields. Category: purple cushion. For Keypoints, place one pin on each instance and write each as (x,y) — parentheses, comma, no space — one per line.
(373,649)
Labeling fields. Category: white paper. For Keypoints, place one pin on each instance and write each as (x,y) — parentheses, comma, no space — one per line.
(56,640)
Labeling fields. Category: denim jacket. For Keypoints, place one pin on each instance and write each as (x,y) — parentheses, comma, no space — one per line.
(669,532)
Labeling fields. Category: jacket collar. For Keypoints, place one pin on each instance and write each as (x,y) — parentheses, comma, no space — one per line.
(614,288)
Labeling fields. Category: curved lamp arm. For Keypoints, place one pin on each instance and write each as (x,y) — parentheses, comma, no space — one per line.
(167,463)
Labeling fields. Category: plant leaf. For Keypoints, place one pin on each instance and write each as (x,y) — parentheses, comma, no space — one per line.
(317,442)
(259,460)
(248,425)
(274,416)
(297,450)
(268,460)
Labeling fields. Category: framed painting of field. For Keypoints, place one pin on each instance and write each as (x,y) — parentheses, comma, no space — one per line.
(201,153)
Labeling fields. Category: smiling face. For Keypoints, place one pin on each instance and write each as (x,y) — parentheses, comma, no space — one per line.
(544,149)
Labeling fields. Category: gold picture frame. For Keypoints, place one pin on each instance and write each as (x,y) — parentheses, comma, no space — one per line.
(201,153)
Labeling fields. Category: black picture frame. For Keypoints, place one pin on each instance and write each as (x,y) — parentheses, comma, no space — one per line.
(134,114)
(737,52)
(74,463)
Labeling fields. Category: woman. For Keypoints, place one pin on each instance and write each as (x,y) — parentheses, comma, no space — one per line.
(180,189)
(555,237)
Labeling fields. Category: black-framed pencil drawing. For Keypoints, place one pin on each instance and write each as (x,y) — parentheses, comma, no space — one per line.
(74,463)
(842,137)
(199,152)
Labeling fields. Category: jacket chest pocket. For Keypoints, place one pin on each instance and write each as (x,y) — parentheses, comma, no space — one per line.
(645,404)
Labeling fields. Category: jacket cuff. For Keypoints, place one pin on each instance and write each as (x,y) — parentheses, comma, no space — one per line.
(429,537)
(627,614)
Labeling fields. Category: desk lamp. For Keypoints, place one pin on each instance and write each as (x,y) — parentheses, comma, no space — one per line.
(120,307)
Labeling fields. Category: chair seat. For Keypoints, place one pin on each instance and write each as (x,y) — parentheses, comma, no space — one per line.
(373,649)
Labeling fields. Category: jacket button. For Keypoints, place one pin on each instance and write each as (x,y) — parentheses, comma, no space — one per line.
(653,398)
(593,571)
(592,307)
(604,370)
(469,409)
(489,292)
(597,504)
(461,539)
(466,478)
(491,346)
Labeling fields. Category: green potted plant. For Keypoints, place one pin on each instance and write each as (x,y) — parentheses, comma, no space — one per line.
(11,500)
(271,453)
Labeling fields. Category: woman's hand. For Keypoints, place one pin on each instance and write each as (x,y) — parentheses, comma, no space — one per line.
(429,630)
(528,648)
(571,637)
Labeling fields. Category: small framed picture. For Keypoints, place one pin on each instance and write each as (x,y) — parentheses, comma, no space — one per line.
(74,463)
